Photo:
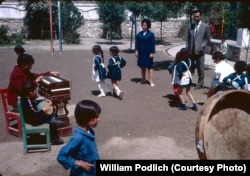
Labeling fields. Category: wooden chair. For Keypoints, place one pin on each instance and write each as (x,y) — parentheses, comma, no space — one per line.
(13,123)
(28,130)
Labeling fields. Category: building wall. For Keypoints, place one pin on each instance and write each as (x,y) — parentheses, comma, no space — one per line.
(12,14)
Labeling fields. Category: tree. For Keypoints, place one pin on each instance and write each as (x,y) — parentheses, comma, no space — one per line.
(161,11)
(71,21)
(138,9)
(37,19)
(112,14)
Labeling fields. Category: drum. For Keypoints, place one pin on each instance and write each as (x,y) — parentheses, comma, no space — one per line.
(223,127)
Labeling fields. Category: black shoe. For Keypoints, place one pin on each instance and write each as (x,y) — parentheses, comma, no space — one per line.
(198,86)
(120,96)
(57,141)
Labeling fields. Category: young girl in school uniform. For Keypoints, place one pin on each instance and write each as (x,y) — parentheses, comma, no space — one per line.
(185,78)
(115,64)
(99,70)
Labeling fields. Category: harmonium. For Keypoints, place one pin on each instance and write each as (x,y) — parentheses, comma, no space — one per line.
(54,88)
(57,90)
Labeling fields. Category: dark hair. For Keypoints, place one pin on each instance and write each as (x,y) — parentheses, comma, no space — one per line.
(248,69)
(25,59)
(27,87)
(218,55)
(19,49)
(177,57)
(184,54)
(96,49)
(196,10)
(240,66)
(114,49)
(147,21)
(86,110)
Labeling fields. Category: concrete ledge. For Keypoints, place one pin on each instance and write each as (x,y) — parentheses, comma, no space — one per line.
(235,51)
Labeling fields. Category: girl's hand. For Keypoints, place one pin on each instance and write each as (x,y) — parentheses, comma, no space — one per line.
(84,165)
(54,73)
(39,78)
(136,53)
(151,56)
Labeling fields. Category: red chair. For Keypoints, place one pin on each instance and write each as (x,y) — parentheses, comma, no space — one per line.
(13,123)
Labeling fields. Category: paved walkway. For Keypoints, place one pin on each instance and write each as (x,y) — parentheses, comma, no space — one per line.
(208,58)
(87,43)
(146,124)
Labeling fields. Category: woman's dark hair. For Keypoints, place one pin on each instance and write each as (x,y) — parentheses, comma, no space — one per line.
(25,59)
(28,87)
(96,49)
(19,49)
(114,49)
(240,66)
(147,21)
(86,110)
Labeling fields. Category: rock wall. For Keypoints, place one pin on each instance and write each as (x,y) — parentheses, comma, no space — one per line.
(93,28)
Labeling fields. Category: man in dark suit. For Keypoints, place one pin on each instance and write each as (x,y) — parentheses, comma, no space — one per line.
(198,37)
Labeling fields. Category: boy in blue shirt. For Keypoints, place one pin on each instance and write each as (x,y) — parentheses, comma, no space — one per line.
(80,153)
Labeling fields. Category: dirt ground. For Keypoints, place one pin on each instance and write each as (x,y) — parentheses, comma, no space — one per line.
(146,124)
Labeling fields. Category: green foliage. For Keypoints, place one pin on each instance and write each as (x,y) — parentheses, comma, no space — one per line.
(17,39)
(244,13)
(71,20)
(112,14)
(5,39)
(138,8)
(161,11)
(37,19)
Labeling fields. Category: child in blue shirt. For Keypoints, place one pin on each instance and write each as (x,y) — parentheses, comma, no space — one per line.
(184,75)
(115,64)
(234,80)
(80,153)
(99,70)
(246,80)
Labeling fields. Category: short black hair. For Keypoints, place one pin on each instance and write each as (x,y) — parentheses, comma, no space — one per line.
(86,110)
(27,87)
(248,68)
(240,66)
(197,10)
(147,21)
(114,49)
(218,55)
(25,59)
(19,49)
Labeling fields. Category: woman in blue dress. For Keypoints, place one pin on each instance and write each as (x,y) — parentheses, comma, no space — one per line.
(144,51)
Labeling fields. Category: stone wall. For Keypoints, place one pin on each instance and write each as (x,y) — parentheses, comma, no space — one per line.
(12,14)
(93,28)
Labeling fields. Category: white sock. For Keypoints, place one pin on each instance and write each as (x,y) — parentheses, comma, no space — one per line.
(100,88)
(117,90)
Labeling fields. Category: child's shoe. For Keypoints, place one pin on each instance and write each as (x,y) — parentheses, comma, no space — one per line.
(120,95)
(183,107)
(101,95)
(195,107)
